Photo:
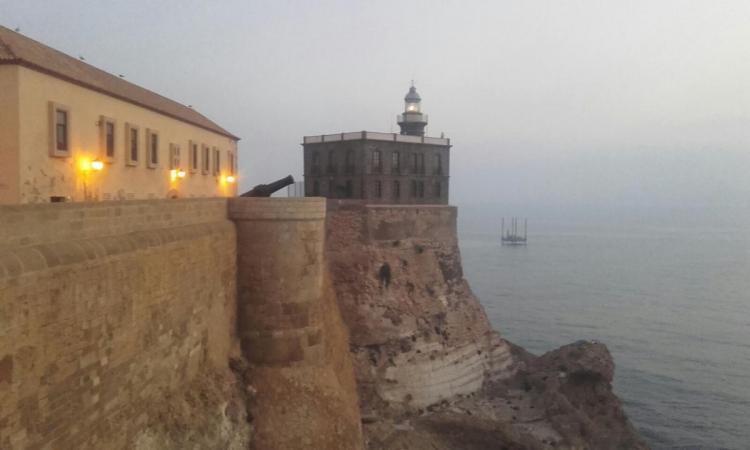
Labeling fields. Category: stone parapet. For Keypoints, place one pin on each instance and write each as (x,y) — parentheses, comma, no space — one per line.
(269,208)
(42,223)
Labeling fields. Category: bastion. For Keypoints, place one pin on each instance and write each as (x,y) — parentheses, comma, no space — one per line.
(271,324)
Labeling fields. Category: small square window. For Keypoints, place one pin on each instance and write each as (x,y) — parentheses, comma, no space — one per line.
(132,144)
(59,130)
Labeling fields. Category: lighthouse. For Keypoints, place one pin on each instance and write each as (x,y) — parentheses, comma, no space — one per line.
(412,121)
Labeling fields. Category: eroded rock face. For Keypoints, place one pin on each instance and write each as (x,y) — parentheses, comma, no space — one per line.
(431,372)
(417,333)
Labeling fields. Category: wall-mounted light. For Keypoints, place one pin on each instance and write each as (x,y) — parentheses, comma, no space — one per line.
(174,174)
(230,179)
(97,164)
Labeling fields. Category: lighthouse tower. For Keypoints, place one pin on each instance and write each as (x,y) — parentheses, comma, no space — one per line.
(412,121)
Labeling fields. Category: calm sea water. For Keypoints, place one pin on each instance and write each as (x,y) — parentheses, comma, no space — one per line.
(672,303)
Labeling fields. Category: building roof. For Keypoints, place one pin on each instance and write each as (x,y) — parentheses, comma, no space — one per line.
(21,50)
(375,136)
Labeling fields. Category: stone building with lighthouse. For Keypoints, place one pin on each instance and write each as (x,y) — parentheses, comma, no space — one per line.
(381,168)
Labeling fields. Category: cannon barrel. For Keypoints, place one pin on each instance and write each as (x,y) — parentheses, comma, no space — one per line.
(265,190)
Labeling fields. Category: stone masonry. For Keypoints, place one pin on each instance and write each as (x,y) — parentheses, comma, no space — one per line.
(104,307)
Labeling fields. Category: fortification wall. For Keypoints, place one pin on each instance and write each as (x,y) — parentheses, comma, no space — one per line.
(105,309)
(291,329)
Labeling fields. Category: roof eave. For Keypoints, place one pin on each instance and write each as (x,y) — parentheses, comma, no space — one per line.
(35,67)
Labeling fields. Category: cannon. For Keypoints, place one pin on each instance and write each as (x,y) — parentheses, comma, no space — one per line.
(265,190)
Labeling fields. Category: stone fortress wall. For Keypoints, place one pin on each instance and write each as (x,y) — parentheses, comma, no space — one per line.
(266,324)
(105,307)
(109,308)
(291,329)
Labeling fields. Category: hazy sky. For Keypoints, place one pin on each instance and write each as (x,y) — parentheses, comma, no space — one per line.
(548,103)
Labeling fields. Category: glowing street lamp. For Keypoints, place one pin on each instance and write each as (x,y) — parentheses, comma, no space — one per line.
(97,165)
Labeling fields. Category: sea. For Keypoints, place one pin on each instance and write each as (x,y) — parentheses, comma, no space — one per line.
(669,294)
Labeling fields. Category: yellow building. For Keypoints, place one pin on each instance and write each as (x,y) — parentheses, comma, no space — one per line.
(69,131)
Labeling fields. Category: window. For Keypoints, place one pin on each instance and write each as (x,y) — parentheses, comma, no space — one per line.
(107,128)
(438,165)
(377,164)
(395,162)
(396,189)
(206,160)
(438,190)
(349,189)
(62,130)
(414,163)
(152,141)
(316,188)
(230,162)
(193,156)
(331,168)
(349,161)
(414,188)
(132,144)
(420,187)
(59,130)
(331,189)
(421,163)
(378,189)
(174,156)
(315,167)
(217,162)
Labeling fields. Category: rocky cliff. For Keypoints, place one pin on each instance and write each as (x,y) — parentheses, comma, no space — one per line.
(431,372)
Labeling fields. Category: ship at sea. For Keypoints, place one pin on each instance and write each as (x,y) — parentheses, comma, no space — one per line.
(511,236)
